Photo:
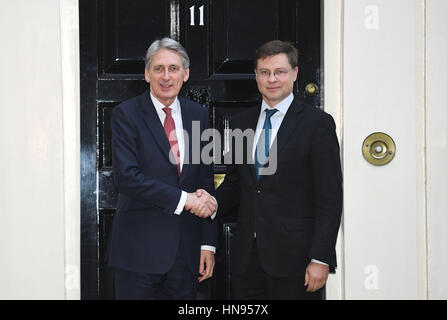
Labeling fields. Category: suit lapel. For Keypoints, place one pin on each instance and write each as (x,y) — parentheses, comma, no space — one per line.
(152,120)
(187,127)
(288,125)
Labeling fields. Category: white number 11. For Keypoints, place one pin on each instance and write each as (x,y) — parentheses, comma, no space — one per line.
(191,11)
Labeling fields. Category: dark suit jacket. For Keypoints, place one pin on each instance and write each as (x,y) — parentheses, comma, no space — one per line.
(296,211)
(146,233)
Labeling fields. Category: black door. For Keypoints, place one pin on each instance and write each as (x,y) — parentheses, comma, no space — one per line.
(220,37)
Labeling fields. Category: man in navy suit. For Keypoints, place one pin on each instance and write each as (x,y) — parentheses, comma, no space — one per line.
(162,242)
(288,188)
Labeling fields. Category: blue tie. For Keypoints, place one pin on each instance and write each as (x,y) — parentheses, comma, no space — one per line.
(264,142)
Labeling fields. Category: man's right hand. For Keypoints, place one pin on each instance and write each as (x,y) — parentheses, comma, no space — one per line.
(200,205)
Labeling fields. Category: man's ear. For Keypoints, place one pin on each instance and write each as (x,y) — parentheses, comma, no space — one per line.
(186,76)
(147,76)
(295,71)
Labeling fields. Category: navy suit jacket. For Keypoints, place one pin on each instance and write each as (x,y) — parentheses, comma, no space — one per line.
(296,211)
(146,233)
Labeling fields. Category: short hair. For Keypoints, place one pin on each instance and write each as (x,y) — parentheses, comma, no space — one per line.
(170,44)
(275,47)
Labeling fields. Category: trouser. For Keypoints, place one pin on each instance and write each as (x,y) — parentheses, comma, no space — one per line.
(256,284)
(178,283)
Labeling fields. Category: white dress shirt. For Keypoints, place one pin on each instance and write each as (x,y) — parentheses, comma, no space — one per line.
(276,120)
(177,116)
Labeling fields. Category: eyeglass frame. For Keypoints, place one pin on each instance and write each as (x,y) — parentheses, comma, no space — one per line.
(277,76)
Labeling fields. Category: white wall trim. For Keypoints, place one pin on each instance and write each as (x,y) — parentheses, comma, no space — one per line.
(69,21)
(333,101)
(436,148)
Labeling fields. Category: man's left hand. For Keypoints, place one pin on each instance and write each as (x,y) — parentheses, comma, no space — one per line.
(206,264)
(316,276)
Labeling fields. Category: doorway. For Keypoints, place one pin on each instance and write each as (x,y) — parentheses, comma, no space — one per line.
(220,37)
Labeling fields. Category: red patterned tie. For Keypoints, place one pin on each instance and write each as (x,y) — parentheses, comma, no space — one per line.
(169,126)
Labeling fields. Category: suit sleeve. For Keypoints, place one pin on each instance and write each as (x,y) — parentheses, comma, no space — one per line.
(129,179)
(228,193)
(206,179)
(327,177)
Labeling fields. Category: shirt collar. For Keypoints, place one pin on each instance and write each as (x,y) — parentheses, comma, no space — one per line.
(282,106)
(159,106)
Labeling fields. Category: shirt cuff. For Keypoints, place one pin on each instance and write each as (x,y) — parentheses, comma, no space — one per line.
(215,212)
(209,248)
(181,203)
(319,262)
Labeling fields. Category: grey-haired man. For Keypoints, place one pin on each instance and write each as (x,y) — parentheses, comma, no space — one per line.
(162,242)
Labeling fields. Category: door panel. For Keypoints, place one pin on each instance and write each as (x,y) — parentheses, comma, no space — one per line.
(240,28)
(127,28)
(221,37)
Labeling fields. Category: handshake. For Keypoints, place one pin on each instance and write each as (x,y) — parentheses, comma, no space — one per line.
(200,203)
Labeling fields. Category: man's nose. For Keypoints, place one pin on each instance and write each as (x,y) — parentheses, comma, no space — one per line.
(272,77)
(166,73)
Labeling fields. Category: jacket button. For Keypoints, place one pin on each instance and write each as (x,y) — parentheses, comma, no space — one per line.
(258,191)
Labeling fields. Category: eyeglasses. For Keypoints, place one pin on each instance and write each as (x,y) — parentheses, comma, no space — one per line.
(278,74)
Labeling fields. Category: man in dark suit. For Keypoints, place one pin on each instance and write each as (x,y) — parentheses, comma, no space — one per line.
(288,188)
(161,237)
